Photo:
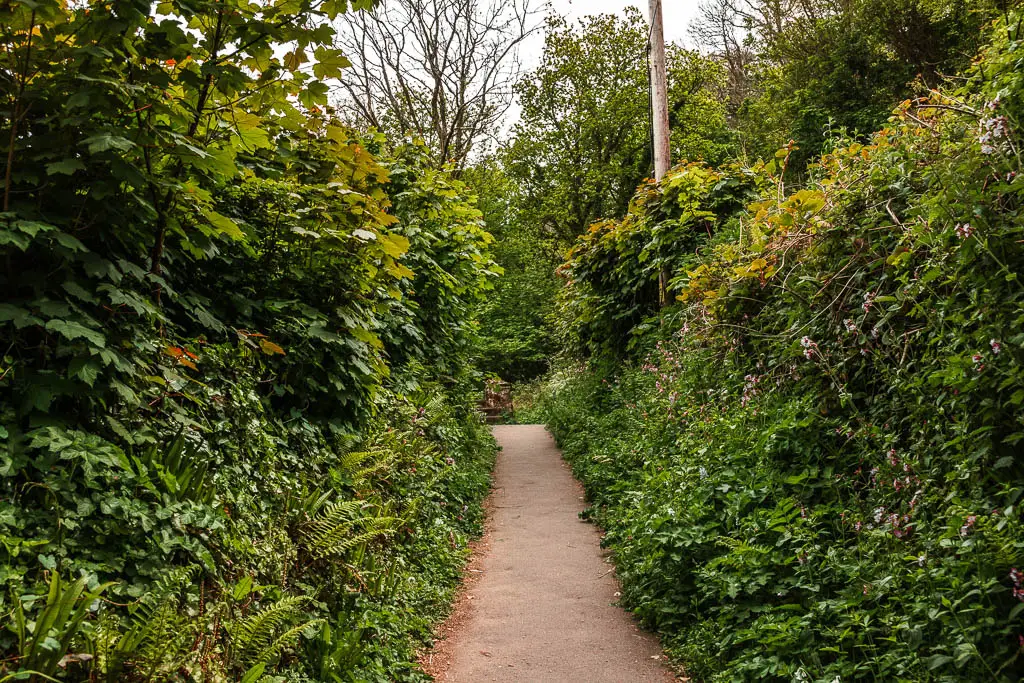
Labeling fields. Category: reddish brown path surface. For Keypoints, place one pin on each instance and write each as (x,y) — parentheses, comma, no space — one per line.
(542,608)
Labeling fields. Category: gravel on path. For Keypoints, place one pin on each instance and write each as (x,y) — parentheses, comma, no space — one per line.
(539,602)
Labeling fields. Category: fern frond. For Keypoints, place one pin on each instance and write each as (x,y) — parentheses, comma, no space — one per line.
(155,633)
(351,542)
(164,590)
(348,462)
(336,519)
(367,472)
(375,460)
(435,404)
(256,633)
(286,639)
(341,528)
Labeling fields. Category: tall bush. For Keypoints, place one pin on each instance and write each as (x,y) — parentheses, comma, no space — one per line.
(222,313)
(811,471)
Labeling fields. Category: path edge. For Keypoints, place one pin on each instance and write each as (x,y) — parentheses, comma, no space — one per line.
(435,660)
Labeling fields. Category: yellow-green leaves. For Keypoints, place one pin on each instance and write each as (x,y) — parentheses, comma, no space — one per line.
(398,270)
(224,225)
(329,62)
(295,59)
(270,348)
(249,131)
(758,268)
(394,245)
(806,202)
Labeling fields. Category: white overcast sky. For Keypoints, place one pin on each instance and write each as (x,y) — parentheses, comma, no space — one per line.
(678,15)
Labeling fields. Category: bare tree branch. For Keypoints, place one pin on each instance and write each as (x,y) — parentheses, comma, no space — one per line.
(442,70)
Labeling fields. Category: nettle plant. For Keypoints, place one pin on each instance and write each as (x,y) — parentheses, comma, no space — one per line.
(814,473)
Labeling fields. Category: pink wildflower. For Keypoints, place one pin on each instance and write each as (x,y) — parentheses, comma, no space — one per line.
(968,525)
(964,230)
(992,129)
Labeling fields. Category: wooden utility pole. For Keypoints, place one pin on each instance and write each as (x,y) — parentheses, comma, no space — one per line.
(659,93)
(659,112)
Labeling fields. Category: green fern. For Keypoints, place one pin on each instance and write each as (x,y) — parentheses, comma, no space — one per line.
(287,639)
(261,637)
(342,527)
(436,405)
(157,635)
(351,467)
(348,462)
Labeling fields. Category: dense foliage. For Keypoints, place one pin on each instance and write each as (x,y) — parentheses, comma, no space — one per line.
(516,339)
(577,155)
(809,466)
(806,70)
(583,142)
(236,432)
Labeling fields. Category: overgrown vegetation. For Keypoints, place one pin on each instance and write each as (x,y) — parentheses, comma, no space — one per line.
(808,466)
(242,339)
(583,142)
(516,340)
(237,436)
(807,71)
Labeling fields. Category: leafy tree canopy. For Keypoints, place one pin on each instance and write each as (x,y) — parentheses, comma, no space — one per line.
(583,143)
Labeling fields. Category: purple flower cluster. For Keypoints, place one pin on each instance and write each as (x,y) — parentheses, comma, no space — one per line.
(993,129)
(1018,579)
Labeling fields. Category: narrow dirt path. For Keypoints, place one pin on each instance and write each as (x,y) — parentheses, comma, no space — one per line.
(542,607)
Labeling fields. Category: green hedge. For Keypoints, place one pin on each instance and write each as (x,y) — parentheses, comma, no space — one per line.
(237,436)
(809,467)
